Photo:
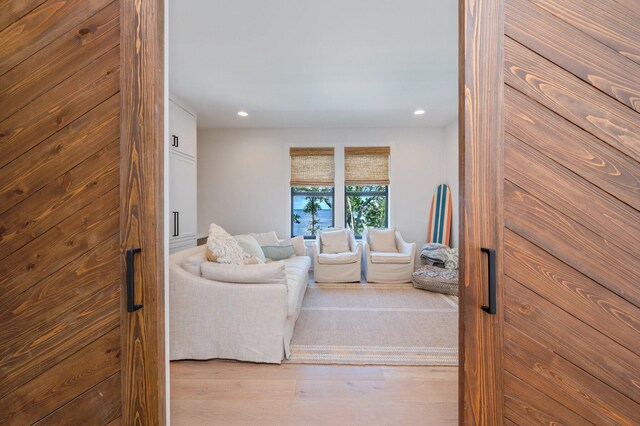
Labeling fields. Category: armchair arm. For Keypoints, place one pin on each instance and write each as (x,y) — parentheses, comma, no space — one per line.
(404,247)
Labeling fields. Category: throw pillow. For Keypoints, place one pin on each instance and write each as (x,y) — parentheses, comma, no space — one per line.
(269,273)
(335,241)
(266,238)
(250,245)
(298,245)
(452,259)
(192,263)
(382,240)
(223,248)
(278,252)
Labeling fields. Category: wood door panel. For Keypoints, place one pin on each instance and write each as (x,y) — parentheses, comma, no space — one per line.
(572,291)
(556,186)
(528,406)
(606,21)
(67,194)
(571,386)
(572,243)
(552,327)
(92,364)
(98,405)
(41,27)
(59,153)
(574,51)
(632,5)
(11,11)
(60,106)
(575,149)
(59,60)
(59,245)
(34,310)
(566,95)
(34,354)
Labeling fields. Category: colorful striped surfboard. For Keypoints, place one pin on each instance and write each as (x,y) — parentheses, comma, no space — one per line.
(440,216)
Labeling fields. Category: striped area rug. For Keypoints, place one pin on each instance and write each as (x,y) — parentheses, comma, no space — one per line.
(375,324)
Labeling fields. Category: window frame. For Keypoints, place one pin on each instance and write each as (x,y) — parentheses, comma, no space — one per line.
(331,193)
(384,193)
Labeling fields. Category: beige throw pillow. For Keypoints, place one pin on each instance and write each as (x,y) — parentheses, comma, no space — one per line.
(335,241)
(223,248)
(265,238)
(298,245)
(382,240)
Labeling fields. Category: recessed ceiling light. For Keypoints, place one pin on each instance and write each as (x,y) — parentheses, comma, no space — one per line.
(419,112)
(243,113)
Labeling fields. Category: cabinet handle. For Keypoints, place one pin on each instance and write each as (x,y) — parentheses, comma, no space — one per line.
(177,141)
(175,224)
(174,140)
(131,280)
(491,308)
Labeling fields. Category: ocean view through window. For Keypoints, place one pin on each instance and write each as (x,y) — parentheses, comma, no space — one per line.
(311,210)
(366,205)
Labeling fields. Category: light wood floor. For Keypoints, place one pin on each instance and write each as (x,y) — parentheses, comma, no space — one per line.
(236,393)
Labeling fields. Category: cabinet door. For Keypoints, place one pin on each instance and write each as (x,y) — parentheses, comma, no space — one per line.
(183,197)
(183,128)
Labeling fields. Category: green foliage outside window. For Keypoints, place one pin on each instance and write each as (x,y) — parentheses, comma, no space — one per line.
(366,206)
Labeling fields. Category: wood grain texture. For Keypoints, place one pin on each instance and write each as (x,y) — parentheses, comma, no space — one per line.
(575,149)
(574,51)
(606,21)
(572,243)
(60,197)
(60,106)
(234,393)
(573,99)
(526,406)
(59,153)
(99,405)
(481,96)
(41,27)
(571,386)
(552,327)
(92,364)
(571,195)
(142,207)
(59,212)
(60,59)
(572,291)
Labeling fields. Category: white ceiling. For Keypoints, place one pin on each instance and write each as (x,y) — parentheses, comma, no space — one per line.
(323,63)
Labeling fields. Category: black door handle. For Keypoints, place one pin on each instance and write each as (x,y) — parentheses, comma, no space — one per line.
(131,280)
(491,308)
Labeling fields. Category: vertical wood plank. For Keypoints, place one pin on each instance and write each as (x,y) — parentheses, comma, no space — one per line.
(481,115)
(142,212)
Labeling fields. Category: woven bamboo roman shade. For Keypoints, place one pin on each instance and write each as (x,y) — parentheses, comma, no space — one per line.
(366,165)
(312,166)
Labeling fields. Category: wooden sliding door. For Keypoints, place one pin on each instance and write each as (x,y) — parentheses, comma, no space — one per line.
(551,181)
(65,197)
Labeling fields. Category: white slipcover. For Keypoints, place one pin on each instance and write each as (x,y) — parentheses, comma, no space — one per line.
(248,322)
(337,267)
(389,267)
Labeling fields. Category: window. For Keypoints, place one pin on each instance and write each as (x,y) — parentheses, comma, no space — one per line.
(366,176)
(312,190)
(366,205)
(311,210)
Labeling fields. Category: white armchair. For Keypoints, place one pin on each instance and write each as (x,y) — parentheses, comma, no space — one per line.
(338,257)
(388,266)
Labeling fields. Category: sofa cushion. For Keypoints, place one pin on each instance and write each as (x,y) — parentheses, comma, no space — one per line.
(337,258)
(334,241)
(297,270)
(382,240)
(268,273)
(223,248)
(192,263)
(298,245)
(250,245)
(266,238)
(377,257)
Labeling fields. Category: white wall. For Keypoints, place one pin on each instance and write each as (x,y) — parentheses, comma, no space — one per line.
(451,173)
(243,175)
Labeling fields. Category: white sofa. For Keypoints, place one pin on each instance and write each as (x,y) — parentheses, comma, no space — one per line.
(343,267)
(247,322)
(389,267)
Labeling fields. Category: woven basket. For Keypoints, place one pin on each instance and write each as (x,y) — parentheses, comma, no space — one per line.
(436,279)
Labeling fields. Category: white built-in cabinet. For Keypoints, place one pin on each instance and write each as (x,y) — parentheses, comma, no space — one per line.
(183,177)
